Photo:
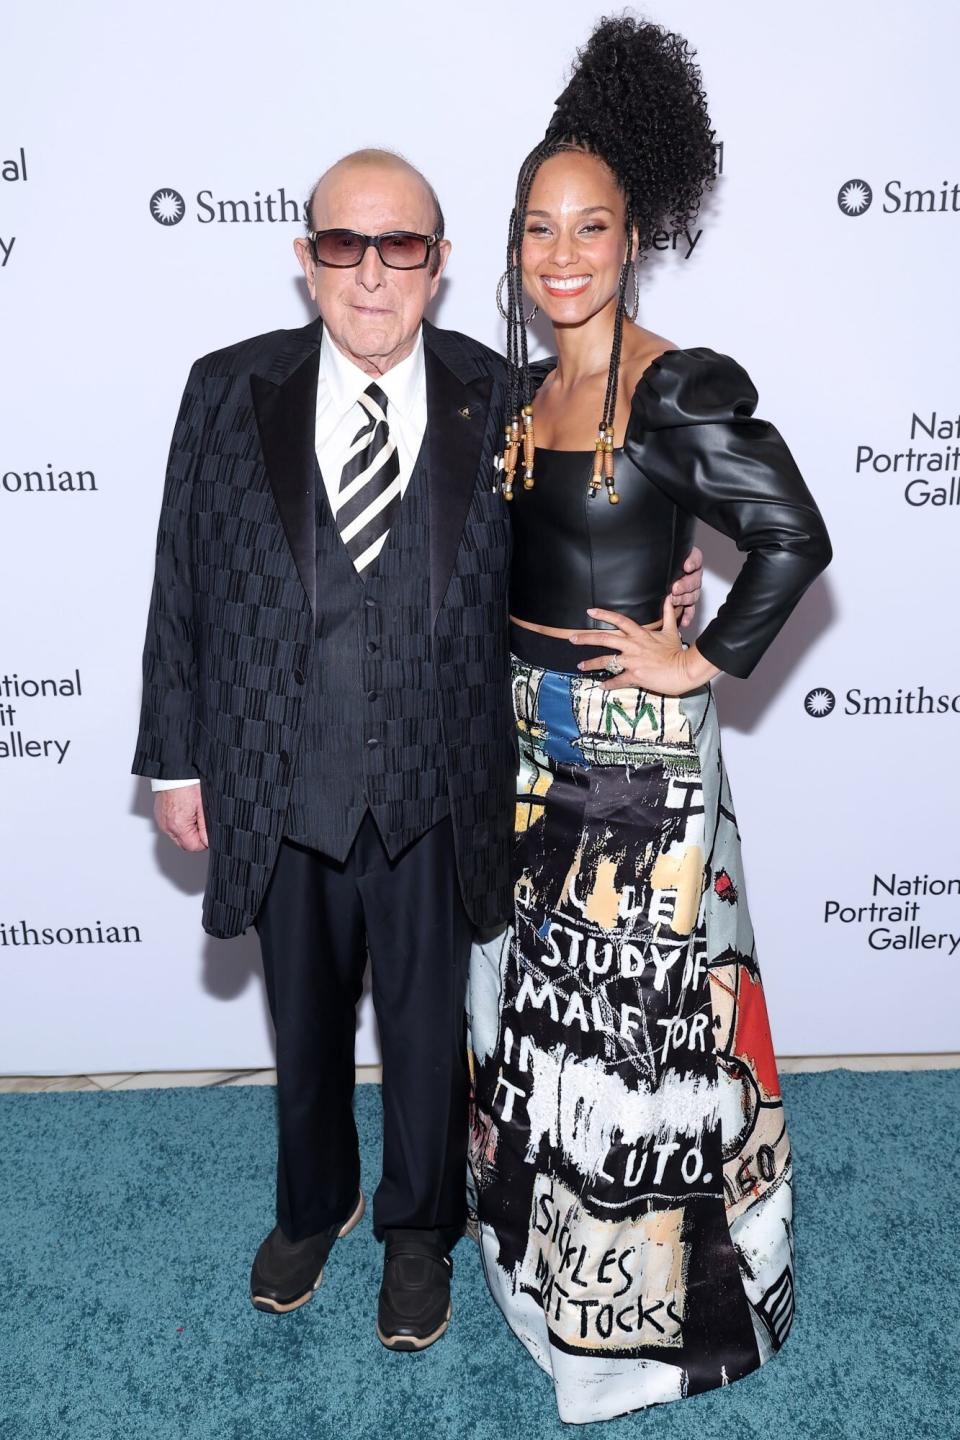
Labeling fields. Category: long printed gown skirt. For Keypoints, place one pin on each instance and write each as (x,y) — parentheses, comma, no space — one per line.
(630,1162)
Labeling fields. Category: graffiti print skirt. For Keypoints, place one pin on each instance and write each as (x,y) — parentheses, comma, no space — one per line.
(630,1163)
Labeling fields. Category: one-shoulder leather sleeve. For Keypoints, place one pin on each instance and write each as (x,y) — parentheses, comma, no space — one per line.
(692,433)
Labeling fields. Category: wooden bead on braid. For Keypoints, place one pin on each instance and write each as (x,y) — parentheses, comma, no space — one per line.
(608,475)
(596,479)
(511,451)
(529,447)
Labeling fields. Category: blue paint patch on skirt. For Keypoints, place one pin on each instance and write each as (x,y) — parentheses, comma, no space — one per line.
(555,712)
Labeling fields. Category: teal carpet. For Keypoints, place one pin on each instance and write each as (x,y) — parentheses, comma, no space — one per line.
(128,1222)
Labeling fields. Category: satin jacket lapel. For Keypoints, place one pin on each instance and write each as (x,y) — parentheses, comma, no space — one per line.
(456,421)
(286,419)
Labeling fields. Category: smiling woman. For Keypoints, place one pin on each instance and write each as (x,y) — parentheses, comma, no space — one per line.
(572,262)
(632,1164)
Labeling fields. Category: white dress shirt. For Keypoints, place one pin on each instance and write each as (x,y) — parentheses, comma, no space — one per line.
(340,415)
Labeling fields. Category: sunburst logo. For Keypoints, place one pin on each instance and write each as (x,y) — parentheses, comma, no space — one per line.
(855,197)
(820,702)
(167,207)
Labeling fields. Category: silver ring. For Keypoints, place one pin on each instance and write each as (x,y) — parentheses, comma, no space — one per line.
(615,666)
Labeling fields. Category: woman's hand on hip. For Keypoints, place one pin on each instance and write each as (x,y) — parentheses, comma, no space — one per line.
(651,659)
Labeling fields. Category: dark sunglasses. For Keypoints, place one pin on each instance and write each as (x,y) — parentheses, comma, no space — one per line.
(399,250)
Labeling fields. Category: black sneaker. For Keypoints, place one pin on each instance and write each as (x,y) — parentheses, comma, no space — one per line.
(286,1273)
(414,1308)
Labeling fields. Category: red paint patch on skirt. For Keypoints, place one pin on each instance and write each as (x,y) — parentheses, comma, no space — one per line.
(752,1041)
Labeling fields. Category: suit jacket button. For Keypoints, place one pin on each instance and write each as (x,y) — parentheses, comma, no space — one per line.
(373,695)
(284,758)
(299,676)
(372,744)
(372,647)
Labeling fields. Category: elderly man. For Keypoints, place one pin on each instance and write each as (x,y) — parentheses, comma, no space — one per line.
(326,706)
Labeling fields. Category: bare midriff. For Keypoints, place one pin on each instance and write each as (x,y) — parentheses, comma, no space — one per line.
(588,629)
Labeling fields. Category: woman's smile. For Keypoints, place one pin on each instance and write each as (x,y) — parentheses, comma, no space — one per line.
(565,284)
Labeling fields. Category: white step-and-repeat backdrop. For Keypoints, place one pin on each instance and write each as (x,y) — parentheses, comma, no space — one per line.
(153,162)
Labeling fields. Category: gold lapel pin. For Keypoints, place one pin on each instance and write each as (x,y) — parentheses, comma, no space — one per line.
(464,413)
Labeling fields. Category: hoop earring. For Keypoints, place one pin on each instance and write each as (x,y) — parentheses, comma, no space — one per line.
(636,296)
(526,318)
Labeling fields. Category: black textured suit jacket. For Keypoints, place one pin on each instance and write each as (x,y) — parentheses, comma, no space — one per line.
(231,629)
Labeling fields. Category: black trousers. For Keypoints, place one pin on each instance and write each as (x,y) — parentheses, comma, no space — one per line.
(318,920)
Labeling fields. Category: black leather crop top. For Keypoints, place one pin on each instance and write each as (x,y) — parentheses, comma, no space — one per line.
(692,451)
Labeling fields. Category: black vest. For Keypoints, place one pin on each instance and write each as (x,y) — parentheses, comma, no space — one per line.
(371,736)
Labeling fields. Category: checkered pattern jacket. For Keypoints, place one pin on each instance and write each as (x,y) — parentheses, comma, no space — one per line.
(232,623)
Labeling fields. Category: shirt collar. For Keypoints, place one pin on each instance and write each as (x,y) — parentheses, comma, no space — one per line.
(403,385)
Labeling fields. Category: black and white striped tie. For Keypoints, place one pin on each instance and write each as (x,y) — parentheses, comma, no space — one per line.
(369,494)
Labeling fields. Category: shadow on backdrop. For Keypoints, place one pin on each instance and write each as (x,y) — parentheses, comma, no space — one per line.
(228,966)
(743,703)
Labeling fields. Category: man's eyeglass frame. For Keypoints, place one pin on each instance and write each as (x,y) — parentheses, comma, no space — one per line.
(429,241)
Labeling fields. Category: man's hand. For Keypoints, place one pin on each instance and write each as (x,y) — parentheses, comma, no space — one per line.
(685,592)
(179,815)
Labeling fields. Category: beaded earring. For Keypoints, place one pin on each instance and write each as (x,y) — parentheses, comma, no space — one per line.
(635,311)
(527,319)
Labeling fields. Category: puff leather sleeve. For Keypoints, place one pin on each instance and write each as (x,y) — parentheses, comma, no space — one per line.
(693,434)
